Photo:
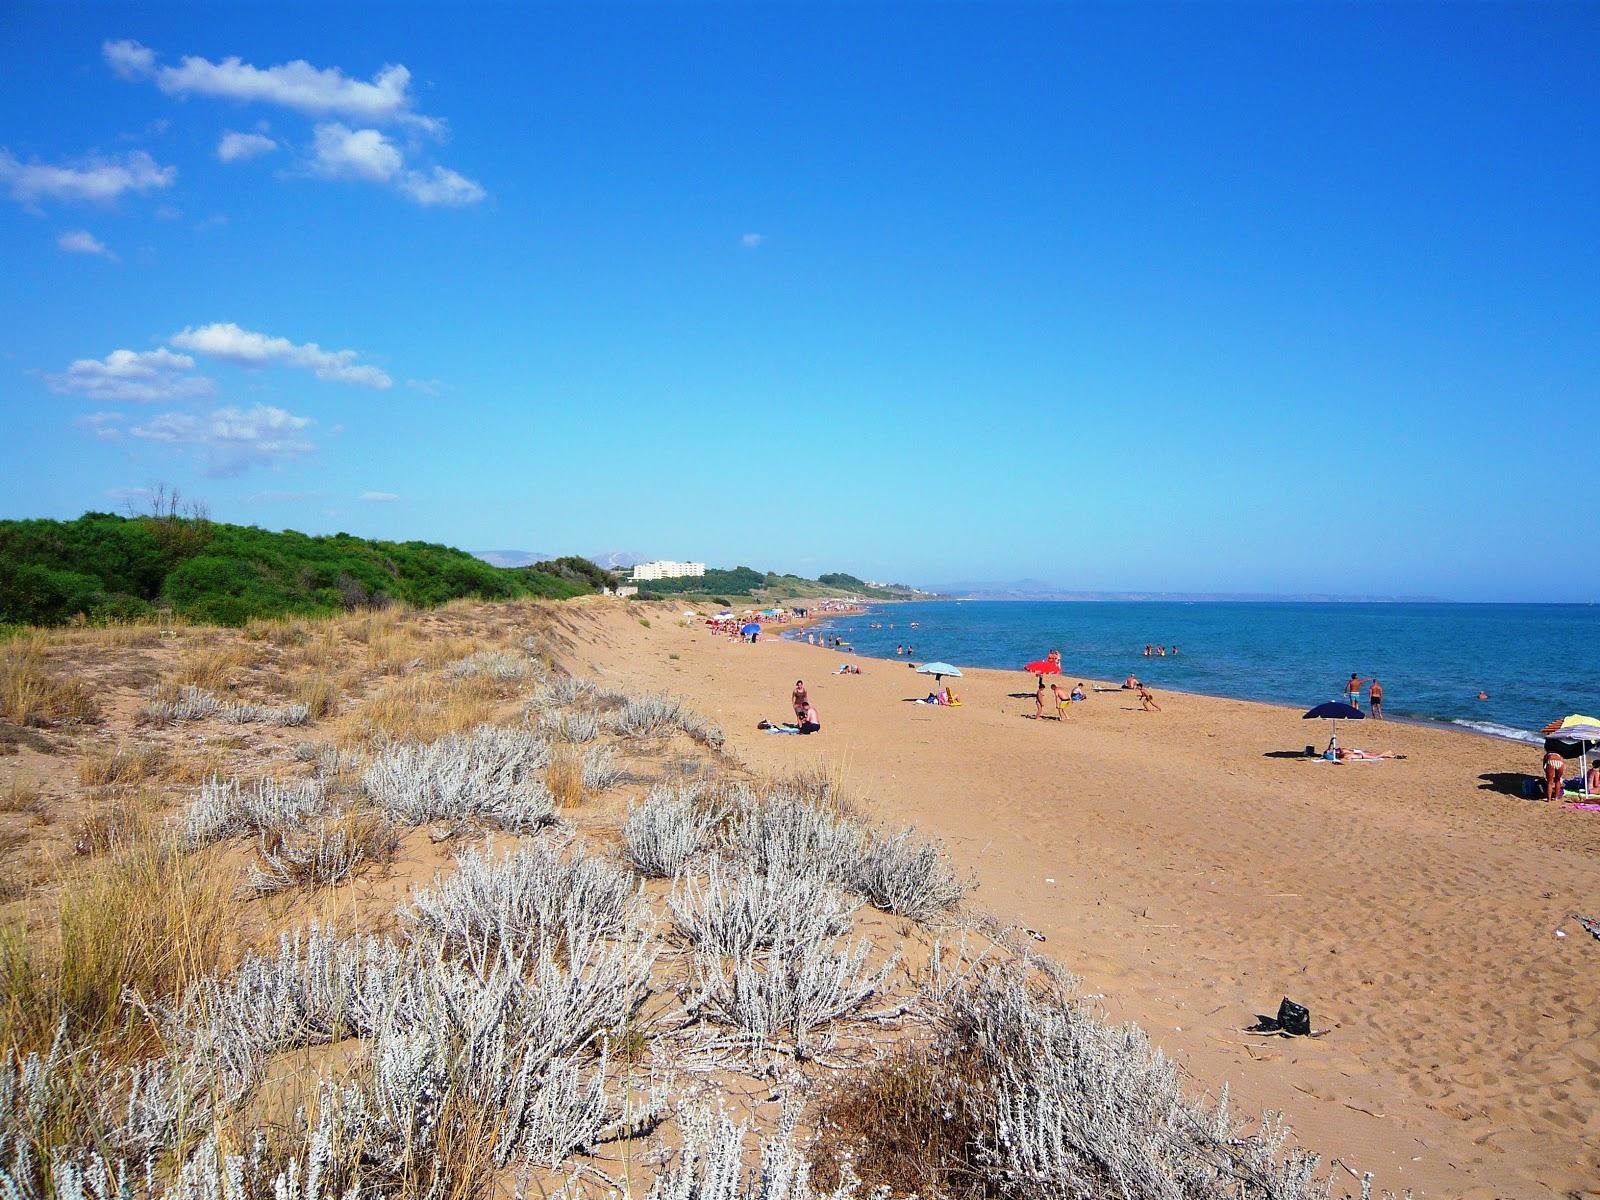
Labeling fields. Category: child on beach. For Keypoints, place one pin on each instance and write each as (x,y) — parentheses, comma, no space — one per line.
(1147,700)
(1038,701)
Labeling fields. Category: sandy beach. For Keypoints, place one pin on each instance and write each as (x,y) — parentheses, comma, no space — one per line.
(1194,868)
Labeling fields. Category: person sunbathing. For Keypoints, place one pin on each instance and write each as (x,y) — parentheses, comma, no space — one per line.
(1365,755)
(1131,682)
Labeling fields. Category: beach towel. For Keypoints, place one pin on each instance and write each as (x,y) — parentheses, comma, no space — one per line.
(1583,807)
(783,729)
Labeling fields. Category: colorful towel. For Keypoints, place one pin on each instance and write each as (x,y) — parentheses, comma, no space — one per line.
(1583,807)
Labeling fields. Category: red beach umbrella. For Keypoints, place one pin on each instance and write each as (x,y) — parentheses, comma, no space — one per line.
(1043,666)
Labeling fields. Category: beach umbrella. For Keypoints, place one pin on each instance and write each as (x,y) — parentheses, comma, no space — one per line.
(1043,666)
(752,627)
(939,670)
(1571,737)
(1335,711)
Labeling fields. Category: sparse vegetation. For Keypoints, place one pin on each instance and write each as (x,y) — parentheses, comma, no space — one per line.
(32,694)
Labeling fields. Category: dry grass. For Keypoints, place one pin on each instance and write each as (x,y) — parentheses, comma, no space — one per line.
(20,796)
(564,776)
(419,709)
(214,668)
(32,694)
(121,765)
(906,1124)
(319,693)
(115,820)
(149,921)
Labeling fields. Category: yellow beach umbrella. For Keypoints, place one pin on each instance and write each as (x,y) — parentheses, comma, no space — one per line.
(1572,722)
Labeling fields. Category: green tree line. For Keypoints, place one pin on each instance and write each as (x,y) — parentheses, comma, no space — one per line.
(106,567)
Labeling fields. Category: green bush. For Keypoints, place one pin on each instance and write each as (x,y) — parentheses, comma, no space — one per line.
(114,568)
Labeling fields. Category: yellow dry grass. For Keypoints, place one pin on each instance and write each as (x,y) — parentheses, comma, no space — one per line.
(214,668)
(564,776)
(108,766)
(33,694)
(148,922)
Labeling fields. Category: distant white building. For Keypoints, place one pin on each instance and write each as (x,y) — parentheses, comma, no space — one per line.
(666,569)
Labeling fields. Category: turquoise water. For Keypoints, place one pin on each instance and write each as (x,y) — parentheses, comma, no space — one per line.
(1537,662)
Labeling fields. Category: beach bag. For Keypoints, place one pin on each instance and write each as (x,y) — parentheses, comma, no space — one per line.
(1293,1020)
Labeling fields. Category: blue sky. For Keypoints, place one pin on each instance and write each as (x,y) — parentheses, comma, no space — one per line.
(1212,297)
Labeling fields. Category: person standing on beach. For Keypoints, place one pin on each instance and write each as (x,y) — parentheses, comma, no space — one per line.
(1555,771)
(1062,701)
(1375,699)
(1352,690)
(1038,701)
(800,699)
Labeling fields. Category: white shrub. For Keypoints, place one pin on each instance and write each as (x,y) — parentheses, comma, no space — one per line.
(788,995)
(779,837)
(227,809)
(326,854)
(903,876)
(528,894)
(575,726)
(191,704)
(490,775)
(495,664)
(667,829)
(731,915)
(266,714)
(600,769)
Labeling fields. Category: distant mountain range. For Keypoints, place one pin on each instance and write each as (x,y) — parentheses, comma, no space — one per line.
(511,558)
(1035,589)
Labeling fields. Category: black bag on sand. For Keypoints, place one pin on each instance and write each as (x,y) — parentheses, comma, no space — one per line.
(1293,1020)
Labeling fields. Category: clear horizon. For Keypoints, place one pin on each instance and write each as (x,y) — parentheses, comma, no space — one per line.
(1290,299)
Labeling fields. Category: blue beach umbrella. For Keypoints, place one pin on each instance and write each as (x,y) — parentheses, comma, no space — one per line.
(1335,711)
(753,627)
(939,670)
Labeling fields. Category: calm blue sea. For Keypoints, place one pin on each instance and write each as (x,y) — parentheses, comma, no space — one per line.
(1537,662)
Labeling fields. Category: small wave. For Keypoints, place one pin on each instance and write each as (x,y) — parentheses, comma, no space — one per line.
(1501,731)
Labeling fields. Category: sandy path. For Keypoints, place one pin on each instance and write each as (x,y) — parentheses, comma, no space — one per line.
(1193,880)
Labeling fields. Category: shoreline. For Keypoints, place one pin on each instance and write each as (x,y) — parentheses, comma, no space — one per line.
(1530,738)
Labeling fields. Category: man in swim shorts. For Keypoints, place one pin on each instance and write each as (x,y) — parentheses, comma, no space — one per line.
(1375,699)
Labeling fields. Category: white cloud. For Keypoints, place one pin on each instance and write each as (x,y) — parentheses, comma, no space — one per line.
(345,153)
(229,342)
(238,147)
(81,241)
(428,387)
(104,425)
(441,186)
(95,179)
(371,156)
(229,441)
(143,375)
(378,497)
(751,240)
(128,59)
(324,92)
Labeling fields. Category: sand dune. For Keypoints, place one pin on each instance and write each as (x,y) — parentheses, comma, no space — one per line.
(1193,877)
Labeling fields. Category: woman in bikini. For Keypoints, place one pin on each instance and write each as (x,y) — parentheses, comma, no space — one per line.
(799,698)
(1555,773)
